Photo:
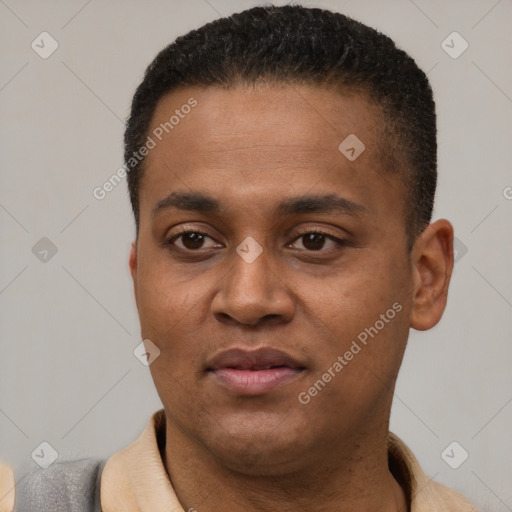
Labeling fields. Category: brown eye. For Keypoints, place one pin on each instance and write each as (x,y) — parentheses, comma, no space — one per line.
(192,240)
(313,241)
(316,241)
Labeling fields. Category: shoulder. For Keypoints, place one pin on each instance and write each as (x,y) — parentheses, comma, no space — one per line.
(73,486)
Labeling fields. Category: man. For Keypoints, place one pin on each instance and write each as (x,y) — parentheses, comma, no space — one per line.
(282,169)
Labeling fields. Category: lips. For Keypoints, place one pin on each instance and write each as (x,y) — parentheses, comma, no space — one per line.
(254,372)
(262,359)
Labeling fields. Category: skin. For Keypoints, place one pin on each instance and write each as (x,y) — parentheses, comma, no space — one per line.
(250,148)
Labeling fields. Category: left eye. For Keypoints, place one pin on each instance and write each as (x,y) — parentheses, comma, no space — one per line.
(316,241)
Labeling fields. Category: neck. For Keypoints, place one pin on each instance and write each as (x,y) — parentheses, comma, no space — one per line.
(352,476)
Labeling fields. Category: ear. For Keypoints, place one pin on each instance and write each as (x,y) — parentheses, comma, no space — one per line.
(432,260)
(132,262)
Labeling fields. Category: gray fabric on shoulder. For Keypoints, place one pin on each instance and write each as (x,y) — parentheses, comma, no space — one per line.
(70,486)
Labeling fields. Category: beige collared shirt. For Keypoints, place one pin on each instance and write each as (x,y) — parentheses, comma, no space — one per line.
(135,479)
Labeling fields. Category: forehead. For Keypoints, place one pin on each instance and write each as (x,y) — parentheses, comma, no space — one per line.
(267,136)
(260,116)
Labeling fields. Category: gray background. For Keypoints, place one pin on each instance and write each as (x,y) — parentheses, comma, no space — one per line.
(68,375)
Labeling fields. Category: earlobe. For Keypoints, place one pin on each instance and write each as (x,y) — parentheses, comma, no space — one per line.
(432,262)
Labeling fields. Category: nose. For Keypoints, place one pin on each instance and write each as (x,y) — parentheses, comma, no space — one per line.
(253,293)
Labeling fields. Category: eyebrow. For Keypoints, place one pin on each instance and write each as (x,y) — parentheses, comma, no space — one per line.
(199,202)
(329,203)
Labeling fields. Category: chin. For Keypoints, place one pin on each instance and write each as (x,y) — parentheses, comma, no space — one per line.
(257,444)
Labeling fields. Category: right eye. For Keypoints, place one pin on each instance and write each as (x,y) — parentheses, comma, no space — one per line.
(191,240)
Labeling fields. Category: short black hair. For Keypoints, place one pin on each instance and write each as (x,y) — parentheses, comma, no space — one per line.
(298,45)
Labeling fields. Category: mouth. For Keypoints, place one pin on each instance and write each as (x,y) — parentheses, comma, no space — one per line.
(254,372)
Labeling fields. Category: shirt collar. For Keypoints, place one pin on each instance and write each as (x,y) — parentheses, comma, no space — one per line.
(135,479)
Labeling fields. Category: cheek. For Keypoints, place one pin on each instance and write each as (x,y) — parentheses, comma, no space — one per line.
(354,296)
(359,358)
(165,302)
(160,286)
(362,312)
(174,310)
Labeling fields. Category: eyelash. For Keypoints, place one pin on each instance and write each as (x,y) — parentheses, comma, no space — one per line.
(338,241)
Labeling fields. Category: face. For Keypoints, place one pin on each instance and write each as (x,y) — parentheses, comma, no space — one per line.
(272,272)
